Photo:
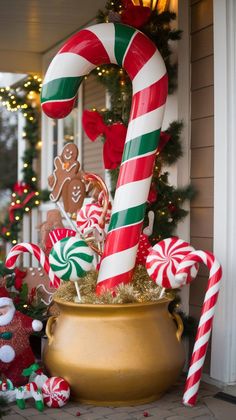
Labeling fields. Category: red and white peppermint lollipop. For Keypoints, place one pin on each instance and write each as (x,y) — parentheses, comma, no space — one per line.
(56,392)
(89,216)
(163,260)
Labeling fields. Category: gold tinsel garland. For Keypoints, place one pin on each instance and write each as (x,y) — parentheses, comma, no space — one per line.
(142,289)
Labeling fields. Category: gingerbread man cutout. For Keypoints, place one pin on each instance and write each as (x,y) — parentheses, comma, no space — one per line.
(73,195)
(66,167)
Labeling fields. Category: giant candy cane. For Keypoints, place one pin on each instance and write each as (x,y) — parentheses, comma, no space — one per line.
(129,48)
(205,324)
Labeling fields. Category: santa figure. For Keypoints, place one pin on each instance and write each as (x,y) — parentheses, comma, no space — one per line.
(15,350)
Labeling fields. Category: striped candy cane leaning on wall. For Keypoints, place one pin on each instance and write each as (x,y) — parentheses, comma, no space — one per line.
(129,48)
(205,324)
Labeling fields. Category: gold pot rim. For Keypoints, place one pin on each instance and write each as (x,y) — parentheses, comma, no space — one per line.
(164,300)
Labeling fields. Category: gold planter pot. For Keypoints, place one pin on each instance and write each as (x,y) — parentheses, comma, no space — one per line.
(115,354)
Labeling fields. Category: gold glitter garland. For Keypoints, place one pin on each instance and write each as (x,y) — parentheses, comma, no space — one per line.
(142,289)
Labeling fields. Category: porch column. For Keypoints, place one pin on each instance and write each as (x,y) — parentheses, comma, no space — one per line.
(21,145)
(223,357)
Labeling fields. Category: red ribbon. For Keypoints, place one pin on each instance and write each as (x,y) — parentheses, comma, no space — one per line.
(114,134)
(19,276)
(12,209)
(19,187)
(164,138)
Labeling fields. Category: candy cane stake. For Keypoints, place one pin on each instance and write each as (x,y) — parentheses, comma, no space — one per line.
(129,48)
(37,252)
(206,319)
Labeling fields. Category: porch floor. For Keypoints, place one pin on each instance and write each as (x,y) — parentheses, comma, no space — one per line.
(169,407)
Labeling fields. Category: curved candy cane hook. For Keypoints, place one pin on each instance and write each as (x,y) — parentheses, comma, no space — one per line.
(206,320)
(38,253)
(129,48)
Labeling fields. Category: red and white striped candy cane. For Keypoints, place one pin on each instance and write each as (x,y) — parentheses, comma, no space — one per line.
(129,48)
(38,254)
(206,319)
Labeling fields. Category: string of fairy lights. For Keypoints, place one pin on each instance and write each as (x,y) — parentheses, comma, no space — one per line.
(24,97)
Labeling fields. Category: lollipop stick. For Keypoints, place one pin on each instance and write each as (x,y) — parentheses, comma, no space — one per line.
(75,227)
(62,210)
(78,291)
(162,292)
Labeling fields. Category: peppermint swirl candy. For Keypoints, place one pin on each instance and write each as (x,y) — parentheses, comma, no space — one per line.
(163,260)
(56,392)
(89,216)
(71,258)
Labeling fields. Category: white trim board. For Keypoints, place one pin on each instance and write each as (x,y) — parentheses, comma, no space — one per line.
(223,360)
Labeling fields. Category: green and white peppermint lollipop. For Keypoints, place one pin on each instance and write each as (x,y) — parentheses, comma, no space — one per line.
(71,258)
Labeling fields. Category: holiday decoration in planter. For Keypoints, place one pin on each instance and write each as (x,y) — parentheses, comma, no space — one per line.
(15,329)
(120,44)
(115,346)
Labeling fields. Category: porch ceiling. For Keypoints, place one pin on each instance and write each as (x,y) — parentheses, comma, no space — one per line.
(30,28)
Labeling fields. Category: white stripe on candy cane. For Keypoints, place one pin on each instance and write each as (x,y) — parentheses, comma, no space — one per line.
(206,316)
(146,76)
(202,340)
(212,291)
(196,366)
(145,124)
(131,195)
(190,393)
(68,65)
(115,264)
(107,34)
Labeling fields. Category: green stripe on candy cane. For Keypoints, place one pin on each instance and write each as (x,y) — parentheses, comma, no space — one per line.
(127,217)
(123,35)
(144,65)
(141,145)
(63,88)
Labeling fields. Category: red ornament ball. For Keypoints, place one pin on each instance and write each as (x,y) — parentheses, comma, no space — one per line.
(56,392)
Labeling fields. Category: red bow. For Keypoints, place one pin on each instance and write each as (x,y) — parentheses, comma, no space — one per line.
(114,134)
(18,281)
(135,16)
(14,207)
(164,138)
(19,187)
